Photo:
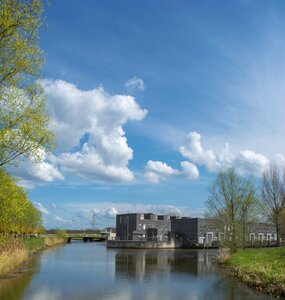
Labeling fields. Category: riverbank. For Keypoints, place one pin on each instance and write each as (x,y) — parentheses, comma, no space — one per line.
(14,252)
(263,269)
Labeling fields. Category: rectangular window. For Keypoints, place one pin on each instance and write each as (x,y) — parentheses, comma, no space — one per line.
(201,240)
(209,237)
(221,236)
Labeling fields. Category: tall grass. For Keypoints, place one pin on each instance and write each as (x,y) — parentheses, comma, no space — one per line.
(54,240)
(12,254)
(223,255)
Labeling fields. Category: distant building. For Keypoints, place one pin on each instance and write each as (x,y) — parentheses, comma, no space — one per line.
(264,233)
(143,227)
(185,231)
(109,233)
(203,232)
(195,231)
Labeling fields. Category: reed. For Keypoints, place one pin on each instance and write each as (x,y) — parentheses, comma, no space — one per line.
(54,240)
(12,255)
(223,255)
(14,252)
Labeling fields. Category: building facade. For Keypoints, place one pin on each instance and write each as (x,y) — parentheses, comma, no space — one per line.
(261,233)
(203,232)
(186,231)
(195,231)
(143,227)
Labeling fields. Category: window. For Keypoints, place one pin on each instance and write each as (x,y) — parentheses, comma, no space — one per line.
(209,237)
(252,237)
(142,216)
(139,226)
(201,240)
(143,226)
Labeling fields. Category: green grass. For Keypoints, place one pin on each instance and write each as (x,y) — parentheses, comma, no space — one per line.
(267,261)
(34,244)
(262,268)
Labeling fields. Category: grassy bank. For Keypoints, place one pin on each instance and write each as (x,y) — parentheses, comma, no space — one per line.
(263,269)
(14,252)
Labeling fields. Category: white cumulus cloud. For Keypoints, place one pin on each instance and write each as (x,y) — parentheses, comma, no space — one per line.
(193,150)
(189,170)
(29,173)
(155,171)
(92,123)
(249,162)
(160,167)
(109,212)
(245,162)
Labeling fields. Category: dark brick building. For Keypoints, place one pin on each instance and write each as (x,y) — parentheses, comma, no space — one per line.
(194,231)
(203,232)
(188,232)
(143,227)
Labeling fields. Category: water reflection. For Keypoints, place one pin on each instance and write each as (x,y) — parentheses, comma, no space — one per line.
(90,271)
(145,264)
(178,274)
(13,286)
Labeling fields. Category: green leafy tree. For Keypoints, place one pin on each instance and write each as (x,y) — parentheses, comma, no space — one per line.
(23,116)
(17,213)
(273,198)
(232,205)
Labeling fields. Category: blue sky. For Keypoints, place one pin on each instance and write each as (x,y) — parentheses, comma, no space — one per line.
(150,99)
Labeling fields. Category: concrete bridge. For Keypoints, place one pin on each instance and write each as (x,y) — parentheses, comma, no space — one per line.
(86,238)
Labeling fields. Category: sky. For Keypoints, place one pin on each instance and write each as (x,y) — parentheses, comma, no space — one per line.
(149,100)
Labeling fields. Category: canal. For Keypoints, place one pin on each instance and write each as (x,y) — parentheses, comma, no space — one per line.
(84,271)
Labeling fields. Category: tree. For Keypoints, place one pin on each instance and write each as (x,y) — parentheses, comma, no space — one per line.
(17,213)
(21,57)
(273,197)
(231,206)
(282,225)
(23,116)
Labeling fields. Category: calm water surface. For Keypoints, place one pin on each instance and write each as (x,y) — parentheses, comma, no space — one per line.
(90,271)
